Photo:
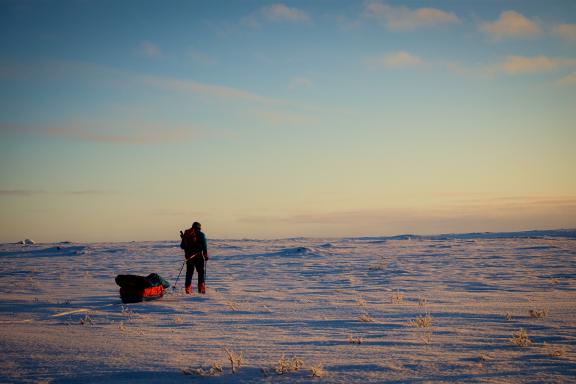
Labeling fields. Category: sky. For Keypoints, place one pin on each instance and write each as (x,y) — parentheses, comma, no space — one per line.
(129,120)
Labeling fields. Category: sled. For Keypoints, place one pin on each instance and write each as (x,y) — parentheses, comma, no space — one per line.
(134,288)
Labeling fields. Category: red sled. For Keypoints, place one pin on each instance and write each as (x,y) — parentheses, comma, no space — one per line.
(134,289)
(133,295)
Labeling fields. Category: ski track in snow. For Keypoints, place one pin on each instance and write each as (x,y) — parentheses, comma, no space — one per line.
(314,299)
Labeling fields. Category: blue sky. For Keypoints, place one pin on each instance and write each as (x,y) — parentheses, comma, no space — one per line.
(129,120)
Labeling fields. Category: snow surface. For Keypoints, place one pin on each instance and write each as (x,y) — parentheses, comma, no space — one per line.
(350,305)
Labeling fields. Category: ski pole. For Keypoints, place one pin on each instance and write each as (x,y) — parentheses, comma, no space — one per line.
(176,282)
(205,267)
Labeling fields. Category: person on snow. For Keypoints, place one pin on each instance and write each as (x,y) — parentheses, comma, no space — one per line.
(196,254)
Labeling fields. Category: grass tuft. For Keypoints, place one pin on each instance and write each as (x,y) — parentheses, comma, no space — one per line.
(365,318)
(397,298)
(86,320)
(538,314)
(422,301)
(354,339)
(554,350)
(426,338)
(378,267)
(520,338)
(422,321)
(215,370)
(233,306)
(483,357)
(235,359)
(318,371)
(288,365)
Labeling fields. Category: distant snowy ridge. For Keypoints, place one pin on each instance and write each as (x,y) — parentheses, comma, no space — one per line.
(233,244)
(564,233)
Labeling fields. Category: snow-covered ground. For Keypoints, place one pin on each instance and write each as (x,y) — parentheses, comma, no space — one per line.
(364,310)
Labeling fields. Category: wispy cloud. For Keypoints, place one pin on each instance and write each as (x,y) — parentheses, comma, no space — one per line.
(271,117)
(89,192)
(34,192)
(281,12)
(401,59)
(510,24)
(21,192)
(516,65)
(512,65)
(101,74)
(58,69)
(159,137)
(130,130)
(299,82)
(401,18)
(276,13)
(150,49)
(201,57)
(348,23)
(503,213)
(111,132)
(568,80)
(565,31)
(193,87)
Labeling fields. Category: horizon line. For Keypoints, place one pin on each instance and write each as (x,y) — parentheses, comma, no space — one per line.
(382,237)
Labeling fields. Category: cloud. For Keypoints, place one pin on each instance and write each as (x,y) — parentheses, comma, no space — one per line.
(274,118)
(150,49)
(160,137)
(568,80)
(110,132)
(513,65)
(281,12)
(98,74)
(346,23)
(126,130)
(565,31)
(401,18)
(211,90)
(201,57)
(21,192)
(399,59)
(89,192)
(498,214)
(56,70)
(276,13)
(510,24)
(516,65)
(299,82)
(33,192)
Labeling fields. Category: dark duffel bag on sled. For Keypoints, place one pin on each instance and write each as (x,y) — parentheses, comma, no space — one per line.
(134,288)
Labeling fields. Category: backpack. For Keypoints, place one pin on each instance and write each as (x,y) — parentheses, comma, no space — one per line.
(190,240)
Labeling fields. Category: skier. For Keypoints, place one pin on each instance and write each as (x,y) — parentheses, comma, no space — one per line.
(196,255)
